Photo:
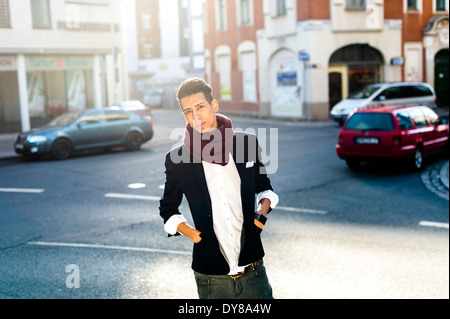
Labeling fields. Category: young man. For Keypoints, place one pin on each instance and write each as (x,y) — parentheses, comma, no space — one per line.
(220,173)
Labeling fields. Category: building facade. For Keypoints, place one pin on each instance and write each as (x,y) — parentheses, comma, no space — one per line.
(165,45)
(311,54)
(57,56)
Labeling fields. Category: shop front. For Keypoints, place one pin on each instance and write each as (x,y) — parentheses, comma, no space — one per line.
(54,85)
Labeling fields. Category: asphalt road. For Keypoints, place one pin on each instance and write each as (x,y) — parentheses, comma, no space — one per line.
(89,226)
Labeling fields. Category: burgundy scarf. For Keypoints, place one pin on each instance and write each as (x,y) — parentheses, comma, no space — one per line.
(213,147)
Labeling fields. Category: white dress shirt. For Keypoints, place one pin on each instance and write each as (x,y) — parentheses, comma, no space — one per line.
(224,186)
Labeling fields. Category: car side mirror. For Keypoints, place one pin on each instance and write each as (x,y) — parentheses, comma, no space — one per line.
(443,120)
(82,124)
(381,98)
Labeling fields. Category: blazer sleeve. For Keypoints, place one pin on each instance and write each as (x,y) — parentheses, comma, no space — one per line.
(262,182)
(173,195)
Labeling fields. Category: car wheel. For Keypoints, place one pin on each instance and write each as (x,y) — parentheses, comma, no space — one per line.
(353,163)
(417,161)
(61,149)
(133,141)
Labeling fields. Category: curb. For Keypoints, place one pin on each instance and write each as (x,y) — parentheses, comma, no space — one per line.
(443,174)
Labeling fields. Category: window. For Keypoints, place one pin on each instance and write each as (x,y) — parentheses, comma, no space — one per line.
(40,13)
(221,18)
(412,5)
(245,14)
(389,94)
(356,4)
(5,21)
(370,122)
(440,5)
(419,118)
(281,7)
(146,21)
(404,119)
(148,50)
(111,116)
(432,117)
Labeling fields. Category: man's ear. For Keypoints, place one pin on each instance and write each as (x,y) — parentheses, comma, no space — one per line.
(215,105)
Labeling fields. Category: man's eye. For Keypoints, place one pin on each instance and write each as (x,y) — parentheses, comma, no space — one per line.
(187,112)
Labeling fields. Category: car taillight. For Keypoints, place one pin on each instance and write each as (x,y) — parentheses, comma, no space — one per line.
(340,139)
(397,141)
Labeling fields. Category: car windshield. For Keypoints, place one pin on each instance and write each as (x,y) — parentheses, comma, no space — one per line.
(63,120)
(364,93)
(370,122)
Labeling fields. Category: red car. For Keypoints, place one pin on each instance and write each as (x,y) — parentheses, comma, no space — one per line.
(392,132)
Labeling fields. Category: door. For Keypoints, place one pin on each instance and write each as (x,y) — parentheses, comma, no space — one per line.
(441,78)
(286,93)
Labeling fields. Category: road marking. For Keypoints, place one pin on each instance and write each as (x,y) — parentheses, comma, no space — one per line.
(151,250)
(22,190)
(137,185)
(130,196)
(302,210)
(433,224)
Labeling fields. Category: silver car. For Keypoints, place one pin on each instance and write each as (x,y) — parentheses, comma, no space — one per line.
(380,94)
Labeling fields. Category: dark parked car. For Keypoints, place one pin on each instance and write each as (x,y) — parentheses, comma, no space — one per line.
(91,129)
(392,132)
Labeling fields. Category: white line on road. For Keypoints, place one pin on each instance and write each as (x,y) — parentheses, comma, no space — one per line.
(433,224)
(22,190)
(77,245)
(301,210)
(129,196)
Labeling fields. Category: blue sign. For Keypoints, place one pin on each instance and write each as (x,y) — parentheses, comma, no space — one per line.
(303,56)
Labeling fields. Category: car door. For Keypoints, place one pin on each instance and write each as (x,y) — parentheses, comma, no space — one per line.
(116,126)
(424,129)
(439,137)
(88,130)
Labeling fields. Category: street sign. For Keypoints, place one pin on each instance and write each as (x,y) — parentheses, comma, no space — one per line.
(303,56)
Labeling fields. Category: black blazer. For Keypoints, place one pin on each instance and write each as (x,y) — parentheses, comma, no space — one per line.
(188,177)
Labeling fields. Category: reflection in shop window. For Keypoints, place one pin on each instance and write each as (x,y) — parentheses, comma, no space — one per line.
(36,95)
(76,90)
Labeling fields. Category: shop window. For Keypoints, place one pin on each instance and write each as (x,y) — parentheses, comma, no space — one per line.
(40,13)
(5,20)
(356,5)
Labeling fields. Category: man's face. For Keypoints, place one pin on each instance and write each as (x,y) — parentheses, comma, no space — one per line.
(199,113)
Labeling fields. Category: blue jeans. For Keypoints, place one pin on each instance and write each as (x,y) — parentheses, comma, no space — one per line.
(252,285)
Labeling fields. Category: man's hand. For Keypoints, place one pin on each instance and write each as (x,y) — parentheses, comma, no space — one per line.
(189,232)
(263,207)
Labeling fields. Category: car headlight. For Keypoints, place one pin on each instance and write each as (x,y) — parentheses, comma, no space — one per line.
(36,139)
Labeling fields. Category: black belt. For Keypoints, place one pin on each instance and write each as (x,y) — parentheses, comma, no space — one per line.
(247,269)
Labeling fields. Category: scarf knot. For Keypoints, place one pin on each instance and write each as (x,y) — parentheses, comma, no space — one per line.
(212,147)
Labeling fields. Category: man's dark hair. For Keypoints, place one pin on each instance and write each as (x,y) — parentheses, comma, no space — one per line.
(193,86)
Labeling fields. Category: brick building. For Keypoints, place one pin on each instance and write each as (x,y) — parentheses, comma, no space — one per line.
(297,58)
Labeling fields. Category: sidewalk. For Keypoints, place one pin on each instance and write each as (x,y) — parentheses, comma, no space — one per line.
(7,145)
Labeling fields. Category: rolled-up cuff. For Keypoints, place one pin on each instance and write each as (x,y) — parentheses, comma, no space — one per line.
(172,224)
(270,195)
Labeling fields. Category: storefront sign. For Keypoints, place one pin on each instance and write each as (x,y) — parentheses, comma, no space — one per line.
(8,63)
(58,63)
